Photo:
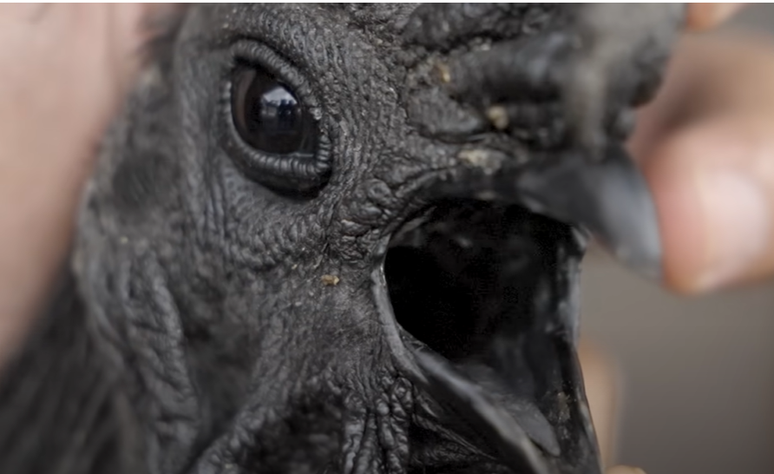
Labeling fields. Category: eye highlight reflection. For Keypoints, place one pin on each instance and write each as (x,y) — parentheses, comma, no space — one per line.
(268,116)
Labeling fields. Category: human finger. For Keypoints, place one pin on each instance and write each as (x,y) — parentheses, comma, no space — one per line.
(704,16)
(713,184)
(717,92)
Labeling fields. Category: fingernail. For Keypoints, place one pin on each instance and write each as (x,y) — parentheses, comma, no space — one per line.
(738,222)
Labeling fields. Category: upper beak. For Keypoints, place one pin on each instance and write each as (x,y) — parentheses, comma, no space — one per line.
(609,198)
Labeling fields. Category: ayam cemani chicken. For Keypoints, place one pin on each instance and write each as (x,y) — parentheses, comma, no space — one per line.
(344,239)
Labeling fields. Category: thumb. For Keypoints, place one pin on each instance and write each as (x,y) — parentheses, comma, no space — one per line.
(713,184)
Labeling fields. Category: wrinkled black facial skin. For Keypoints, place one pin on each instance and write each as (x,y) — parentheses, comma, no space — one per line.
(232,311)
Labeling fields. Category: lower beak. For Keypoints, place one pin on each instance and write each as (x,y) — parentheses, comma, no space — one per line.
(559,438)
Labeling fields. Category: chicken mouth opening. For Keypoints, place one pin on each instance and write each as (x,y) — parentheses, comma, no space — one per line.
(487,292)
(464,271)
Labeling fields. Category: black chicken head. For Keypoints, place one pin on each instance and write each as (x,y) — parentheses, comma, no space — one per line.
(309,247)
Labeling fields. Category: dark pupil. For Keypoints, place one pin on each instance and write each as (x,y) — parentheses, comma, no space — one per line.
(268,116)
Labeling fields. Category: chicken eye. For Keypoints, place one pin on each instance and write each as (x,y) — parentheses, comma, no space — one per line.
(272,124)
(269,117)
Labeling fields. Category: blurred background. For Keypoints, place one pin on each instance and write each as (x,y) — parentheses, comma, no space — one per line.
(697,375)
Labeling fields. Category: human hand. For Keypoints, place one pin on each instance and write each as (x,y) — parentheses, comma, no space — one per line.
(706,145)
(65,70)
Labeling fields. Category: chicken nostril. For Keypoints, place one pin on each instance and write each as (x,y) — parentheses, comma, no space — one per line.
(544,126)
(527,115)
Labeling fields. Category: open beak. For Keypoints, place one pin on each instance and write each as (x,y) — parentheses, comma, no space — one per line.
(483,285)
(480,299)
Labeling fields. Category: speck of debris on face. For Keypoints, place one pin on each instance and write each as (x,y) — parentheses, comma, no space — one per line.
(443,71)
(498,116)
(330,280)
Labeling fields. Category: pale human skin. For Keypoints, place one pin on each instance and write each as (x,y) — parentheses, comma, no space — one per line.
(66,68)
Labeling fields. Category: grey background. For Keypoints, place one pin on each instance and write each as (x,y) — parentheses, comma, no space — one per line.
(697,374)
